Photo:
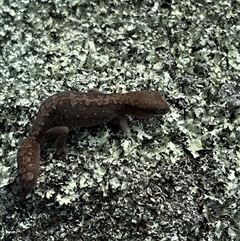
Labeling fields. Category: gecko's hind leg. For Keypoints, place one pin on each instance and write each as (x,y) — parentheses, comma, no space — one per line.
(60,133)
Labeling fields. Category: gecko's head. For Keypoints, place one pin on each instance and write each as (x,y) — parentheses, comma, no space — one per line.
(145,104)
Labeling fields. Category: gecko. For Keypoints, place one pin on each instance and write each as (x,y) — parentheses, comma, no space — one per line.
(70,110)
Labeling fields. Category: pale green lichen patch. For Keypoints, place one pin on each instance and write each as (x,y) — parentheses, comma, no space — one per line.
(170,178)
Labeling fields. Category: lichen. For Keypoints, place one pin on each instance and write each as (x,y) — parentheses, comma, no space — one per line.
(175,177)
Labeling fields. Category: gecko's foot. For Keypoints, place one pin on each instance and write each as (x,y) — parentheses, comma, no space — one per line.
(61,153)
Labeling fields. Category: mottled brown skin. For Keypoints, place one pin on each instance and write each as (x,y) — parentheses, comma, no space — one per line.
(69,110)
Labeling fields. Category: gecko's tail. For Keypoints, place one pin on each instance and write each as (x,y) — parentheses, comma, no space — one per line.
(28,159)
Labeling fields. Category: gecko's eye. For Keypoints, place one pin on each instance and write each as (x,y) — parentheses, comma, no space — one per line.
(158,111)
(161,111)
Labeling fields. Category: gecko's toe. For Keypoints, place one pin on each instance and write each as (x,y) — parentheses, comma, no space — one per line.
(61,153)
